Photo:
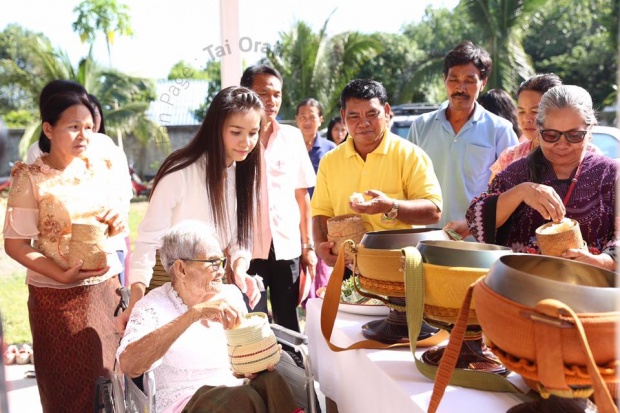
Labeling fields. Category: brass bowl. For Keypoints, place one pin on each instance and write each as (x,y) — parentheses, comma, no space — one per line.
(401,238)
(450,268)
(379,255)
(527,279)
(461,253)
(516,306)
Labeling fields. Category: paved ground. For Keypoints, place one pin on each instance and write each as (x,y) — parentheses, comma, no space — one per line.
(22,391)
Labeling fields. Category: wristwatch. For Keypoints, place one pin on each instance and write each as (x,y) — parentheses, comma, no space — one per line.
(308,246)
(393,213)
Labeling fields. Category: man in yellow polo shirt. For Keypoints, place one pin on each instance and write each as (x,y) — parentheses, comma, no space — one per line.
(396,177)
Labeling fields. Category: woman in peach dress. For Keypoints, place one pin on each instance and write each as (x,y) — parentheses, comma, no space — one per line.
(71,308)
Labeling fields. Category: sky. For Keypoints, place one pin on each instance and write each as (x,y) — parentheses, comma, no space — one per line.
(167,32)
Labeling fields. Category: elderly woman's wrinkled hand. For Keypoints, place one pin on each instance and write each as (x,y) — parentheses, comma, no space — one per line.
(252,376)
(219,311)
(545,200)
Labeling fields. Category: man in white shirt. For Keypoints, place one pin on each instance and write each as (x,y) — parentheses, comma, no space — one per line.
(282,234)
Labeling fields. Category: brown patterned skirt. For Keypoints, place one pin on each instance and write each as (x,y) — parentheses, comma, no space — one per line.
(74,342)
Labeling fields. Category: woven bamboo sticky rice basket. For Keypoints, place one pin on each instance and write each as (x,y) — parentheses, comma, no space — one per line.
(252,347)
(88,244)
(343,227)
(556,243)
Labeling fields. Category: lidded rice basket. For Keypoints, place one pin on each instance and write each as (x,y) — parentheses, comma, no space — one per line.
(88,243)
(252,346)
(555,238)
(343,227)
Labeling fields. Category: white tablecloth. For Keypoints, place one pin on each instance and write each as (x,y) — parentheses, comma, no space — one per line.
(369,381)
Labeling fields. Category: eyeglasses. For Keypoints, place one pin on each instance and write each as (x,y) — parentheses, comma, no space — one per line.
(216,263)
(552,135)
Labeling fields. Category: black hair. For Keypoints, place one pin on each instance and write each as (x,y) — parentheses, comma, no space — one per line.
(247,79)
(365,89)
(330,126)
(310,102)
(540,83)
(95,102)
(500,103)
(55,105)
(466,52)
(53,88)
(208,146)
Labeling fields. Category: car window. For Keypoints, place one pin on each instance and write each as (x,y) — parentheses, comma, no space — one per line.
(401,128)
(606,143)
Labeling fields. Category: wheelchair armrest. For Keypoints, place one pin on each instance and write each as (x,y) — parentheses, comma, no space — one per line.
(291,337)
(148,381)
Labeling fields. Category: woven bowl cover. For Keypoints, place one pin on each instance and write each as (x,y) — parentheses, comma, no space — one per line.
(556,244)
(88,244)
(343,227)
(380,264)
(516,340)
(445,289)
(252,347)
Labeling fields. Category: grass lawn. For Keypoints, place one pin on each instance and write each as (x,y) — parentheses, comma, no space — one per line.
(14,291)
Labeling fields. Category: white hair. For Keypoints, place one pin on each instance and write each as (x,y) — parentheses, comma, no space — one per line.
(187,240)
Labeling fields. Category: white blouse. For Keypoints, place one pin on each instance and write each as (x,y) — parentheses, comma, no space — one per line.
(178,196)
(198,357)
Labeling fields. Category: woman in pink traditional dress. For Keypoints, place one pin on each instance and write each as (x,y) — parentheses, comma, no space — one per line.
(71,310)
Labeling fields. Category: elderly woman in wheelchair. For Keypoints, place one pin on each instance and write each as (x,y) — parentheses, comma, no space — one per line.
(177,332)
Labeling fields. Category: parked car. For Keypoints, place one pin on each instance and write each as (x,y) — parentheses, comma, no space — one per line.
(607,139)
(405,114)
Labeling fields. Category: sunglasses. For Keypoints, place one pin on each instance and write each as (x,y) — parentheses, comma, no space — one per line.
(552,135)
(216,263)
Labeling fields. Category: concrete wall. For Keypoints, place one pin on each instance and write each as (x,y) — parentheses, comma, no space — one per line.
(146,160)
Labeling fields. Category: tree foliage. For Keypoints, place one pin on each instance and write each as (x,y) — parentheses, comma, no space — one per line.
(21,70)
(106,16)
(314,65)
(578,41)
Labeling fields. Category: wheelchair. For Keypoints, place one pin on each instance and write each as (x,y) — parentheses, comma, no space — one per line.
(296,370)
(294,366)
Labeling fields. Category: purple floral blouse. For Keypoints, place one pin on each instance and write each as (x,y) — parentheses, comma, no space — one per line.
(592,204)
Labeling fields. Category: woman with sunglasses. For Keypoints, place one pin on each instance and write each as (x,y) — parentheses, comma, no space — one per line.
(215,179)
(528,98)
(558,179)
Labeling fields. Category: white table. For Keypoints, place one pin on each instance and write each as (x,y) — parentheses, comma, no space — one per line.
(384,380)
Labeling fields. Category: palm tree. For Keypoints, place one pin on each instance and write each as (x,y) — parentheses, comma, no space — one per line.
(296,56)
(346,55)
(124,98)
(105,16)
(314,65)
(500,22)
